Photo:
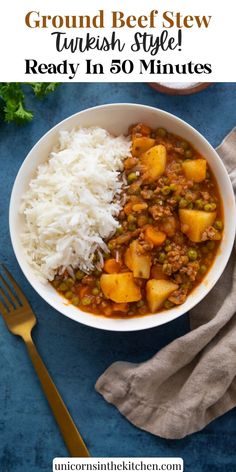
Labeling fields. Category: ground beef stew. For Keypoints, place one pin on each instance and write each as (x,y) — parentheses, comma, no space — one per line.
(170,227)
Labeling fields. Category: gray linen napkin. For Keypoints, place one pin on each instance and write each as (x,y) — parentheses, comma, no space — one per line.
(191,381)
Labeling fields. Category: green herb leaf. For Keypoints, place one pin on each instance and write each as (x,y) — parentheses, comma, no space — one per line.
(42,89)
(12,100)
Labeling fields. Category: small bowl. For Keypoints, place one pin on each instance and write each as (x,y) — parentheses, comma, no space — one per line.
(117,118)
(171,89)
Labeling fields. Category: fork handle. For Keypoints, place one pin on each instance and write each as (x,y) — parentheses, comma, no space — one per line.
(72,438)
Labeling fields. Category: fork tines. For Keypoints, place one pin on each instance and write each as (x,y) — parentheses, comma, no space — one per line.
(11,296)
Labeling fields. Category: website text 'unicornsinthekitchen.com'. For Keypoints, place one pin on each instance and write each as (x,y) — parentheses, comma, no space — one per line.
(161,464)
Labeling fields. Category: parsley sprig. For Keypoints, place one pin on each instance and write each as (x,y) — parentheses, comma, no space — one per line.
(12,99)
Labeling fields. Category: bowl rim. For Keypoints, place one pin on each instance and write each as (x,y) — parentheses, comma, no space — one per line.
(92,319)
(160,87)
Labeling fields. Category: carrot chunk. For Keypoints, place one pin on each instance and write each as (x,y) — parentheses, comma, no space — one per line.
(128,208)
(155,237)
(138,207)
(123,307)
(111,266)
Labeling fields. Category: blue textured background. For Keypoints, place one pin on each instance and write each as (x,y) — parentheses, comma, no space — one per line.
(74,354)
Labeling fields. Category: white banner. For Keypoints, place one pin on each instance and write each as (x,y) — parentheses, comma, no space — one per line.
(97,41)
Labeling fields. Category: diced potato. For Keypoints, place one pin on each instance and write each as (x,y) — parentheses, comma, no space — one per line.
(121,288)
(128,259)
(140,264)
(142,144)
(154,162)
(158,291)
(195,170)
(195,222)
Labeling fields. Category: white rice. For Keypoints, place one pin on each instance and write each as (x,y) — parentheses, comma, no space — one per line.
(72,204)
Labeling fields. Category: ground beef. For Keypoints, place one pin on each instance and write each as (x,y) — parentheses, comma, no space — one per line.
(130,162)
(158,211)
(177,258)
(211,233)
(124,238)
(205,195)
(169,225)
(191,269)
(179,296)
(147,194)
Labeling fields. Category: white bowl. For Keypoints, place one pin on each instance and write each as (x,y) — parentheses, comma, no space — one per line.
(117,118)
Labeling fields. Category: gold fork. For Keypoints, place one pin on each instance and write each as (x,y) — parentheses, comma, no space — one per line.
(20,320)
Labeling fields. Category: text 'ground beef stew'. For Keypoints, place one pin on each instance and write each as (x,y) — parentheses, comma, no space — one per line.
(170,227)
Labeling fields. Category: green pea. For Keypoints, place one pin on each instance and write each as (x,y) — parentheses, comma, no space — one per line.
(203,269)
(199,204)
(110,245)
(209,206)
(79,274)
(131,219)
(86,301)
(161,132)
(161,257)
(189,197)
(62,287)
(211,245)
(69,294)
(56,283)
(132,227)
(204,250)
(168,248)
(173,187)
(218,225)
(98,284)
(188,153)
(97,272)
(185,286)
(184,145)
(168,241)
(165,179)
(192,254)
(69,282)
(119,230)
(168,304)
(177,198)
(165,190)
(167,268)
(95,291)
(183,203)
(140,303)
(75,301)
(132,177)
(190,205)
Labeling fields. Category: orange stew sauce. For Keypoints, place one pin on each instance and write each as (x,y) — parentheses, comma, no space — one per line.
(170,228)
